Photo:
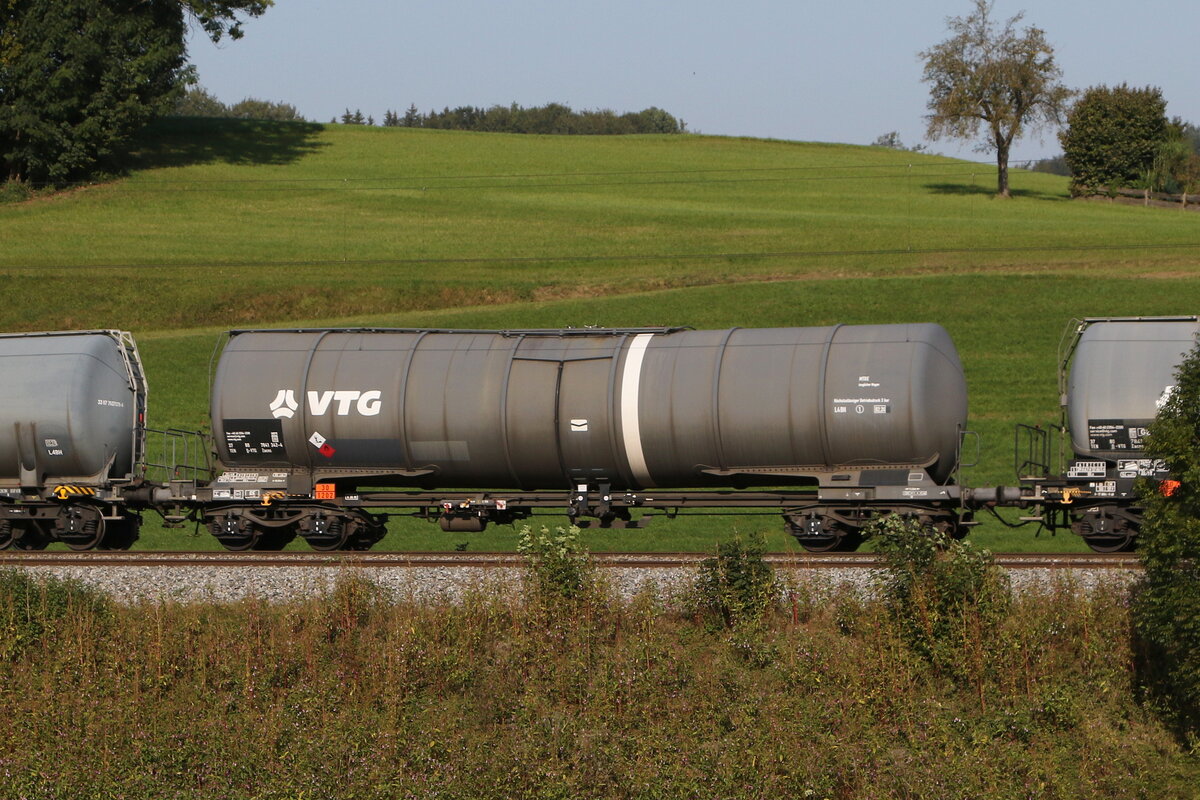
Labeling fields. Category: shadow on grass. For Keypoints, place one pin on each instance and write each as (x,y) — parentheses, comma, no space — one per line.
(185,141)
(966,189)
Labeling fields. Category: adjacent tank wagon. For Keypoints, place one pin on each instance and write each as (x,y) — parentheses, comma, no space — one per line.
(1115,373)
(72,438)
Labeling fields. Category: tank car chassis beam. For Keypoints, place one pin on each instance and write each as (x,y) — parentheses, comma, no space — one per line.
(820,518)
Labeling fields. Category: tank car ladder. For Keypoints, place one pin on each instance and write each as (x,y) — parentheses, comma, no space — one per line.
(136,375)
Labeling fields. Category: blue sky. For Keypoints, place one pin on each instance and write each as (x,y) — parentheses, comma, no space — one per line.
(843,71)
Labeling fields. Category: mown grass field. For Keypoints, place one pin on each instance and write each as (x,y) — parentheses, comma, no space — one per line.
(233,224)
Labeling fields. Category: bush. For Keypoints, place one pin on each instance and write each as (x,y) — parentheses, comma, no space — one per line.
(1166,610)
(943,594)
(1112,136)
(558,565)
(736,585)
(15,192)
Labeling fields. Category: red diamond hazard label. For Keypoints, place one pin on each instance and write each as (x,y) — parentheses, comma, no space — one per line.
(326,450)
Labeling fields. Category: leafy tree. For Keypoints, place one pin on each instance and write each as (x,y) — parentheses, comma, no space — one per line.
(892,141)
(1056,165)
(79,77)
(1188,177)
(992,76)
(1112,136)
(1189,132)
(1177,162)
(655,120)
(199,102)
(221,18)
(253,108)
(1166,608)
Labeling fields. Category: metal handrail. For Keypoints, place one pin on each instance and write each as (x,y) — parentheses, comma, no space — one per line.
(178,455)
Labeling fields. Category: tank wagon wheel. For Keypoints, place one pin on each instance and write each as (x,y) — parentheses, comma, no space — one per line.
(844,540)
(80,527)
(272,537)
(333,532)
(1113,543)
(818,534)
(369,529)
(235,533)
(28,536)
(326,533)
(1106,533)
(6,534)
(947,527)
(121,534)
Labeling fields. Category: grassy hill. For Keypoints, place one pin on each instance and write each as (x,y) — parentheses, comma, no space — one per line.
(228,223)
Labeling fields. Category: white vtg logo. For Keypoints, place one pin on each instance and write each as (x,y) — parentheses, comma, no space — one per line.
(319,403)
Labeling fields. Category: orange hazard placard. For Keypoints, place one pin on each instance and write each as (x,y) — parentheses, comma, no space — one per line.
(326,491)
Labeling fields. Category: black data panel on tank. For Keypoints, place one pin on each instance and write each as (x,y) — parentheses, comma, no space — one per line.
(1116,434)
(252,440)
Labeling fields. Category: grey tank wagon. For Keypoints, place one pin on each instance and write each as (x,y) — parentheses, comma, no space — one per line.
(831,426)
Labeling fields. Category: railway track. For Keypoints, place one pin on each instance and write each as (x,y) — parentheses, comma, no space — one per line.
(1069,561)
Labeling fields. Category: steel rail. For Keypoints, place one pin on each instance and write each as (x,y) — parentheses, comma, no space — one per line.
(100,559)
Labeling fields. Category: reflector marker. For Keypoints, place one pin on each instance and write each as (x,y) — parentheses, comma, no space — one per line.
(631,379)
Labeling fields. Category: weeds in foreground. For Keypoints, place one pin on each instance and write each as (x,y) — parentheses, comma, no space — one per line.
(558,566)
(946,597)
(358,694)
(32,610)
(736,586)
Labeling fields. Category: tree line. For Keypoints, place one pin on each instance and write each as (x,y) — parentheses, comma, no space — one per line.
(552,118)
(199,102)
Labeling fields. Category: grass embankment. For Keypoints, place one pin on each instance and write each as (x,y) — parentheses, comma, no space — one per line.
(361,696)
(232,224)
(251,223)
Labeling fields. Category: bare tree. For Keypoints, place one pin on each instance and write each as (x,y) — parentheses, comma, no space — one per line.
(993,76)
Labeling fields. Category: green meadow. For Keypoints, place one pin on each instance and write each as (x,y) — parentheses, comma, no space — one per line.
(236,224)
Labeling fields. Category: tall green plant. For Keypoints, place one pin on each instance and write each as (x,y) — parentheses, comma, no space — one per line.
(1166,609)
(559,567)
(943,594)
(736,585)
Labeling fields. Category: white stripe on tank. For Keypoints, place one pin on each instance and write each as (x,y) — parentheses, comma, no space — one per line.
(631,429)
